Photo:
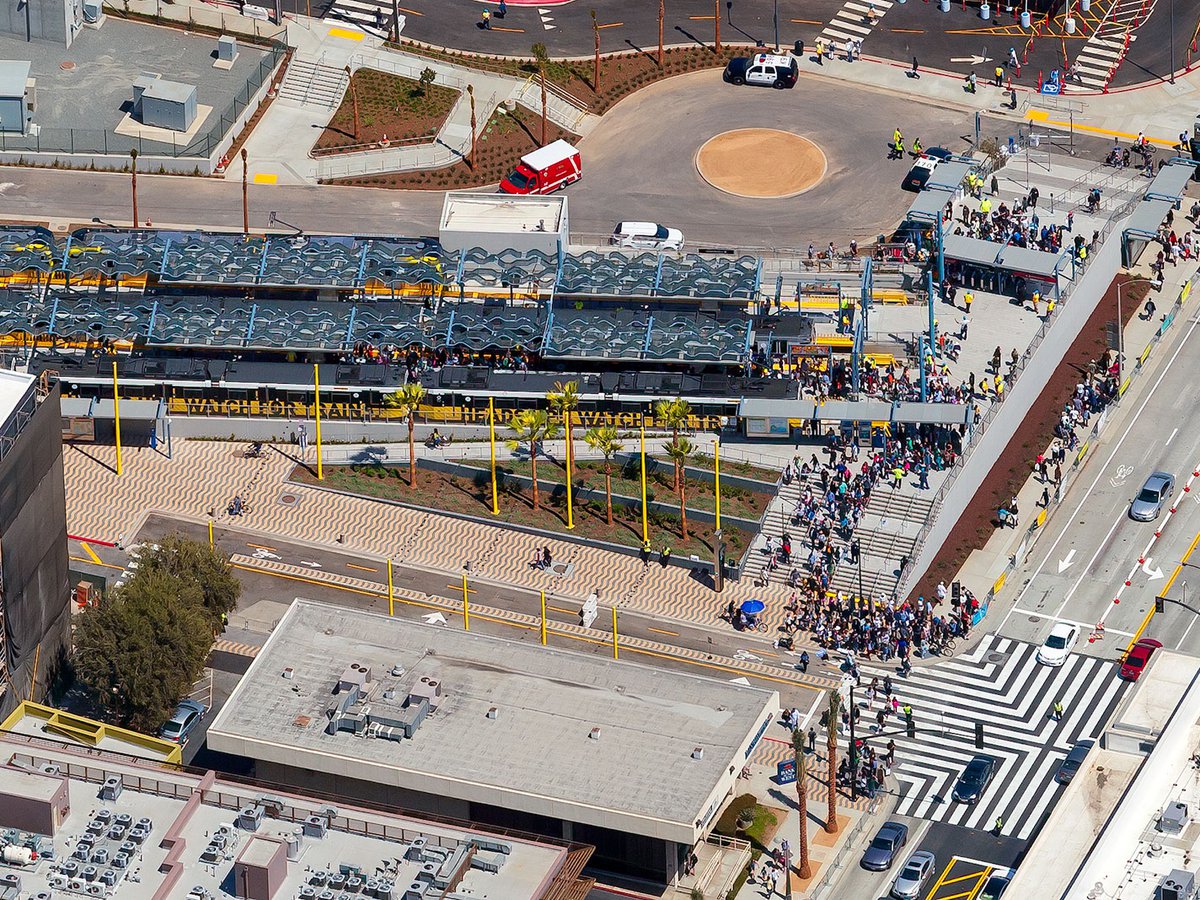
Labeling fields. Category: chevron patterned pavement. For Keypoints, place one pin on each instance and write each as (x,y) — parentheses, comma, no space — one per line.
(208,474)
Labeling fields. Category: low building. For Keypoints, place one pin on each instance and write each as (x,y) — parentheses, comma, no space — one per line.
(88,823)
(496,223)
(635,761)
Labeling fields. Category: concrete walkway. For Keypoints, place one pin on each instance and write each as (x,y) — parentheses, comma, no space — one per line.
(279,148)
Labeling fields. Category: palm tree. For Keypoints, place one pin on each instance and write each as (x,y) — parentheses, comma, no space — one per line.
(675,415)
(681,450)
(541,59)
(532,426)
(407,399)
(801,759)
(604,439)
(564,400)
(833,715)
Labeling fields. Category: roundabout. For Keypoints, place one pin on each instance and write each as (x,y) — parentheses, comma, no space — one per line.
(761,163)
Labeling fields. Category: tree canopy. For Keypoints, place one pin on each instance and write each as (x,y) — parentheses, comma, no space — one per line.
(144,646)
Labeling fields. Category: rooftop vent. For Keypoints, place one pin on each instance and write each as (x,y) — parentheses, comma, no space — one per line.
(698,753)
(288,673)
(492,712)
(594,734)
(1173,818)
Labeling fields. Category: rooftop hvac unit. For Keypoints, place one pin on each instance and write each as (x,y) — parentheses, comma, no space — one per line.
(1179,884)
(416,891)
(112,787)
(1173,818)
(250,817)
(91,11)
(44,895)
(10,880)
(51,769)
(316,826)
(146,824)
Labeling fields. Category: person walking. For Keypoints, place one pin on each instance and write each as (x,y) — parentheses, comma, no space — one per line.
(968,299)
(803,661)
(487,20)
(963,324)
(915,72)
(1058,711)
(999,76)
(897,145)
(502,10)
(812,740)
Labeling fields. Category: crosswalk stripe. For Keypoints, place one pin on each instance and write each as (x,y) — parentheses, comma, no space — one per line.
(842,23)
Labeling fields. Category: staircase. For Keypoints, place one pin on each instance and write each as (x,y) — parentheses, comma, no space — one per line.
(313,84)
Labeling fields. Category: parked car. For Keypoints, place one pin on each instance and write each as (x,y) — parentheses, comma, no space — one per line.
(646,236)
(918,175)
(913,876)
(996,885)
(974,780)
(1074,761)
(774,69)
(1137,657)
(1058,644)
(544,170)
(889,840)
(1153,496)
(187,716)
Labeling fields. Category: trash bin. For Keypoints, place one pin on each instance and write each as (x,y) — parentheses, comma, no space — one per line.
(798,48)
(944,5)
(985,12)
(1085,5)
(1069,24)
(1026,19)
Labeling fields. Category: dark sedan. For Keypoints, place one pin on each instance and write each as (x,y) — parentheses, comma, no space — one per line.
(974,780)
(885,846)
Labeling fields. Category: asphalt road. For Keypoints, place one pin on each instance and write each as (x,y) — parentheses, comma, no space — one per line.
(1078,569)
(859,197)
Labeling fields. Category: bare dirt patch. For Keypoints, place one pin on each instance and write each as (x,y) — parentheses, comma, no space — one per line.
(761,163)
(400,109)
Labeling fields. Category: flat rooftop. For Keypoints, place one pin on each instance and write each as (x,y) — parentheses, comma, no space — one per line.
(13,387)
(384,849)
(517,725)
(500,214)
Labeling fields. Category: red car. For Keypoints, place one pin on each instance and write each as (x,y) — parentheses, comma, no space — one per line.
(1137,658)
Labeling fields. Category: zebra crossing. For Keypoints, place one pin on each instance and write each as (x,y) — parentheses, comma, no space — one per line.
(1002,686)
(1104,49)
(853,20)
(373,16)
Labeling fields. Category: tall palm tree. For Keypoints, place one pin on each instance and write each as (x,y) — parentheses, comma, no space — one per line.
(604,439)
(675,415)
(532,426)
(541,59)
(564,400)
(801,759)
(407,399)
(680,450)
(833,715)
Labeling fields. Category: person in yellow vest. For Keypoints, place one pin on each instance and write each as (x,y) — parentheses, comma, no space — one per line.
(985,206)
(984,387)
(1049,309)
(1037,299)
(999,388)
(999,76)
(968,299)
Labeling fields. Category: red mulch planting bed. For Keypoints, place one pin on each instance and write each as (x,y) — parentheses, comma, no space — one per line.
(502,141)
(1016,462)
(387,105)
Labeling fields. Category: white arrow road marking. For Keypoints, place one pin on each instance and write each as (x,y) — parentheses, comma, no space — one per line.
(434,619)
(1064,564)
(746,655)
(740,680)
(310,564)
(973,60)
(1154,573)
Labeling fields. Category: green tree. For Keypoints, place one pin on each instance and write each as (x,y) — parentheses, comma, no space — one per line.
(680,450)
(196,563)
(603,438)
(141,650)
(532,426)
(674,414)
(541,58)
(407,400)
(564,400)
(425,80)
(832,716)
(801,760)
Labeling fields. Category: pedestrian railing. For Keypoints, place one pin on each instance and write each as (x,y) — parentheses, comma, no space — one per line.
(406,69)
(980,428)
(824,887)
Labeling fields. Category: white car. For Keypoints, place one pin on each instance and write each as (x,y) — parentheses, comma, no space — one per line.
(646,236)
(1058,645)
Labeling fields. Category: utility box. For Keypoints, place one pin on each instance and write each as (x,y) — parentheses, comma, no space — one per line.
(227,50)
(164,104)
(16,101)
(34,802)
(260,870)
(1179,884)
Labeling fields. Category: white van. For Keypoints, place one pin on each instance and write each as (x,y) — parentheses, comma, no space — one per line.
(646,236)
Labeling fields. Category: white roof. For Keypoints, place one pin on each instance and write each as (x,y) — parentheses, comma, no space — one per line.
(548,155)
(772,59)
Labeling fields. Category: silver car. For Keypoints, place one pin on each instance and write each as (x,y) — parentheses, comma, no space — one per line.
(1152,497)
(913,876)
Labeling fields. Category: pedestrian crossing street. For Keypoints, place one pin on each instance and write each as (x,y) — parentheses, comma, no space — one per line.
(853,20)
(1003,686)
(371,15)
(1104,47)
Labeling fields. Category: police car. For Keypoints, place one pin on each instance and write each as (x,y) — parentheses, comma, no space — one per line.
(919,174)
(773,69)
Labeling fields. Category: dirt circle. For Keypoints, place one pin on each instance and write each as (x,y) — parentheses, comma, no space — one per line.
(761,163)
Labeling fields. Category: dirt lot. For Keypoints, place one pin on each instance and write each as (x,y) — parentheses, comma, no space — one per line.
(1015,464)
(387,105)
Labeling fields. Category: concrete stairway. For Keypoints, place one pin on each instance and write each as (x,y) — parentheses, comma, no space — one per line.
(313,84)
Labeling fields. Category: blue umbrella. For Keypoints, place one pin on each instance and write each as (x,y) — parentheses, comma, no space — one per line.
(753,607)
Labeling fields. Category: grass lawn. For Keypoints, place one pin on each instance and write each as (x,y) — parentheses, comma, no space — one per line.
(626,481)
(387,105)
(503,140)
(473,496)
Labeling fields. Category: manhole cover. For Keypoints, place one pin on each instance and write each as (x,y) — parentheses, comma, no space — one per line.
(66,66)
(996,657)
(1035,618)
(558,568)
(288,499)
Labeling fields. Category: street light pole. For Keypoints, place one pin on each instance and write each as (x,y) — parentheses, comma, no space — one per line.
(777,27)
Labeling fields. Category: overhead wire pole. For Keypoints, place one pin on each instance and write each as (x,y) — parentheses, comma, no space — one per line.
(391,591)
(117,415)
(645,516)
(466,605)
(492,438)
(317,414)
(543,593)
